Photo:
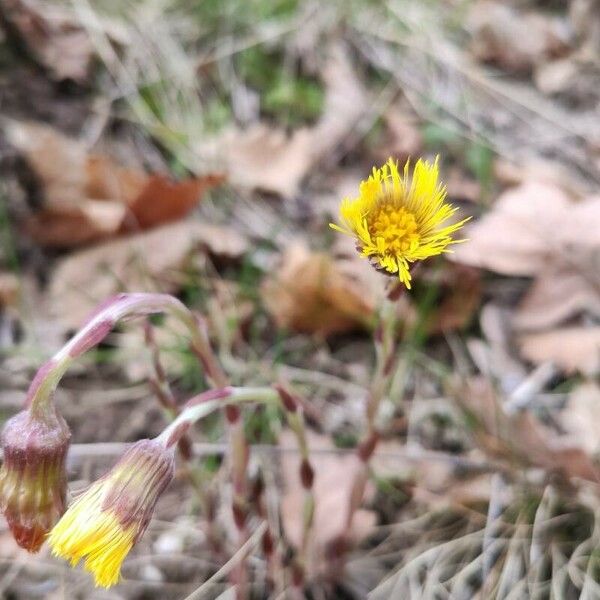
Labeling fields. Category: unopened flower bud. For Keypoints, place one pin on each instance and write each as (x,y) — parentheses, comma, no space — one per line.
(104,523)
(33,480)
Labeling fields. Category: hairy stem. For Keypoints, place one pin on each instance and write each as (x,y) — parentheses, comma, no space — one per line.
(98,326)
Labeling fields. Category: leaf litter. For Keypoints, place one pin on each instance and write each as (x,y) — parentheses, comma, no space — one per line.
(89,198)
(538,231)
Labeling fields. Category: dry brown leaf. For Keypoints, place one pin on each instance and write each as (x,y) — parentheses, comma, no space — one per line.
(58,161)
(316,293)
(162,200)
(555,297)
(527,228)
(515,41)
(334,476)
(104,179)
(267,158)
(75,224)
(580,417)
(520,436)
(52,36)
(148,261)
(9,289)
(90,197)
(536,230)
(570,348)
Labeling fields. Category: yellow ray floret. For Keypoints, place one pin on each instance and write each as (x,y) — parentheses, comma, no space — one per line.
(87,531)
(398,219)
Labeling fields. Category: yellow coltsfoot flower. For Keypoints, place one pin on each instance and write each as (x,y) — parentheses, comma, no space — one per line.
(104,523)
(398,219)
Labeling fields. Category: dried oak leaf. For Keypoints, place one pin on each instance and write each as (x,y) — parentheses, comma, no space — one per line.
(149,261)
(90,197)
(316,293)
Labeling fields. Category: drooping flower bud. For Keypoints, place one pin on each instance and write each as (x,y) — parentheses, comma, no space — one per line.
(33,480)
(104,523)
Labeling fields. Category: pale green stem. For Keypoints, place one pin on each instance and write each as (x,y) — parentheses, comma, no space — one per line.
(95,330)
(235,395)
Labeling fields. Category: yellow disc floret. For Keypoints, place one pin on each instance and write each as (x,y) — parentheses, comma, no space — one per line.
(399,219)
(87,531)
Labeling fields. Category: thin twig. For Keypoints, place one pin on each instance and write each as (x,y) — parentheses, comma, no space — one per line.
(238,558)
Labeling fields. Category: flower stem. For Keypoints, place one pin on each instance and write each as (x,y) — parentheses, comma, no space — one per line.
(98,326)
(208,402)
(385,352)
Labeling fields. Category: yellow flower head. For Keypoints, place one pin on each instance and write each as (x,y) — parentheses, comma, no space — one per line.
(104,523)
(399,219)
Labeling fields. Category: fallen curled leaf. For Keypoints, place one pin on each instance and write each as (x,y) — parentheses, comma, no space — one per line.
(269,159)
(570,348)
(334,477)
(316,293)
(520,436)
(52,36)
(145,262)
(90,197)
